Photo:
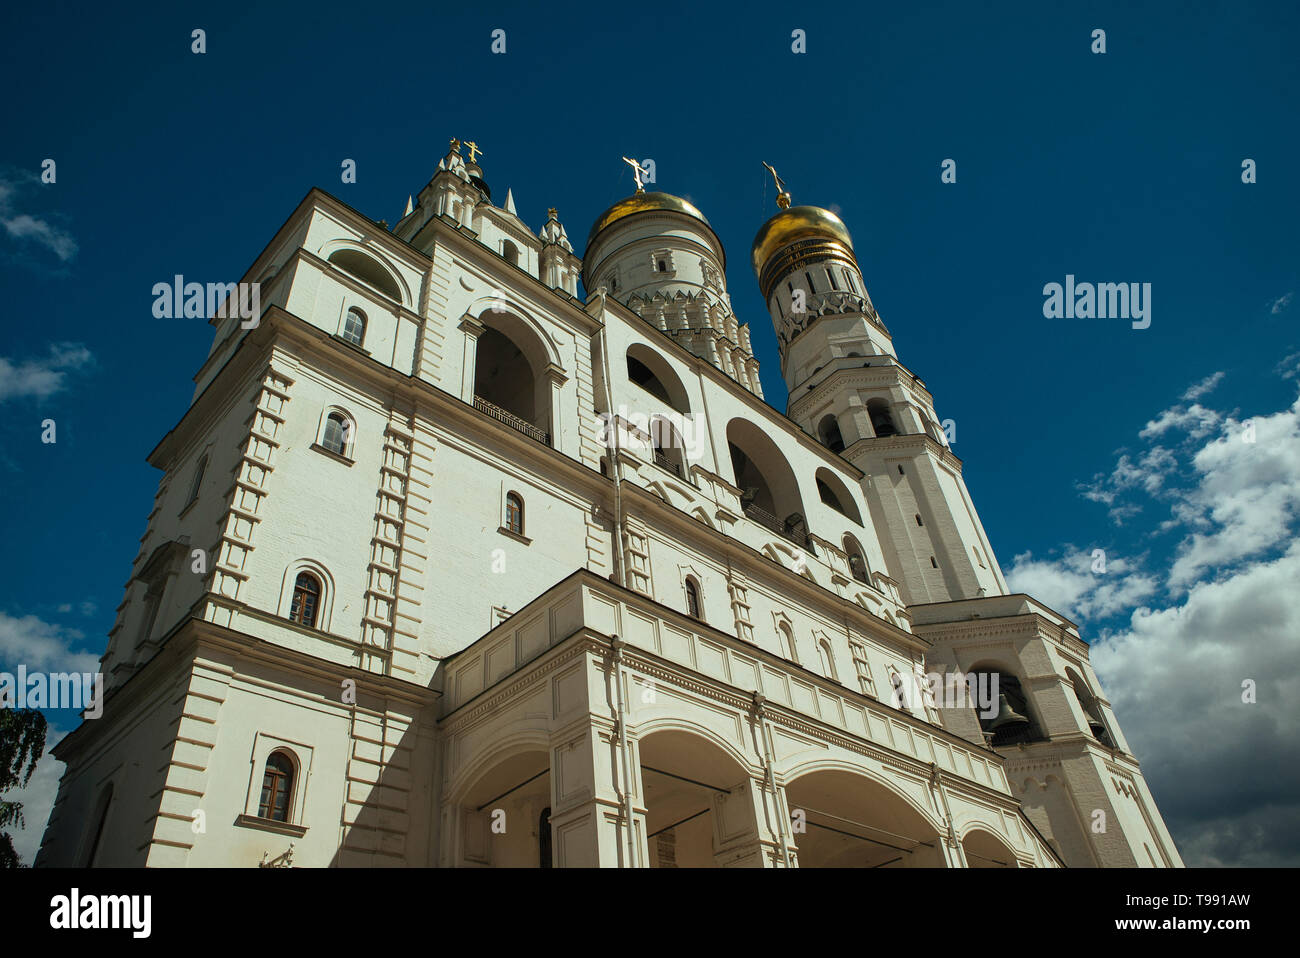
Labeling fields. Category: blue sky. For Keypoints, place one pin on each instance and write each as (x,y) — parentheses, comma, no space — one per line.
(1120,167)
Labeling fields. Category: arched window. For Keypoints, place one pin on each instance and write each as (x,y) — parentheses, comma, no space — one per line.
(828,431)
(306,600)
(510,252)
(832,491)
(669,448)
(511,383)
(368,270)
(105,800)
(1012,722)
(337,434)
(769,490)
(1088,703)
(882,421)
(354,326)
(544,838)
(199,470)
(693,599)
(277,788)
(787,641)
(827,659)
(655,375)
(858,567)
(515,513)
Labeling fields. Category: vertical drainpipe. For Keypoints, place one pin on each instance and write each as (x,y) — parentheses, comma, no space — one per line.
(617,645)
(612,448)
(759,700)
(936,782)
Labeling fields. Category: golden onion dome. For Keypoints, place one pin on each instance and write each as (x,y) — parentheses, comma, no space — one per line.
(794,224)
(644,203)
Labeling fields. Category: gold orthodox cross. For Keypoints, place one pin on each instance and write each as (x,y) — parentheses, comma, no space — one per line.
(636,173)
(474,151)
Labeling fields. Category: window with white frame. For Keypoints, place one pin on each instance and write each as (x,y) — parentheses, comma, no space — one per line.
(337,432)
(354,326)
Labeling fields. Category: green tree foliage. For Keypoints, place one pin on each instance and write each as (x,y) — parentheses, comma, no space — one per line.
(22,742)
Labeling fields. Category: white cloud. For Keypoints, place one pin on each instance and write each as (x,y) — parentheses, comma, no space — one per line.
(42,378)
(1206,385)
(1069,585)
(1225,773)
(42,646)
(1147,474)
(1246,499)
(1281,303)
(1225,609)
(28,228)
(1195,420)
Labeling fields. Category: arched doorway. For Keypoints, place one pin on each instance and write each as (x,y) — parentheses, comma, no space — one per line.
(841,819)
(698,802)
(503,819)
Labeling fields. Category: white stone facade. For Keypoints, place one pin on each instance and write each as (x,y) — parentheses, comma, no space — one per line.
(548,629)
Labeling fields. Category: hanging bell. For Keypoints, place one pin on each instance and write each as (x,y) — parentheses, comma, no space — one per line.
(1007,716)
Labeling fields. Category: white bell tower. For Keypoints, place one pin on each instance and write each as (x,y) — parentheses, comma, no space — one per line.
(848,389)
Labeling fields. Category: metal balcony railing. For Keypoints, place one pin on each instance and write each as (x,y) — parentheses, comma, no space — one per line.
(796,532)
(663,462)
(511,420)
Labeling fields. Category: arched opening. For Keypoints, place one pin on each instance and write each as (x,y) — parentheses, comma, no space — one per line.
(503,820)
(368,270)
(833,492)
(858,567)
(197,483)
(100,820)
(544,838)
(510,383)
(1091,710)
(651,372)
(786,636)
(1013,722)
(669,448)
(827,659)
(882,420)
(510,252)
(985,850)
(769,489)
(693,607)
(698,808)
(845,820)
(828,431)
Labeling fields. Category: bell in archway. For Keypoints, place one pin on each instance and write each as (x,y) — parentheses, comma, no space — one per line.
(1007,716)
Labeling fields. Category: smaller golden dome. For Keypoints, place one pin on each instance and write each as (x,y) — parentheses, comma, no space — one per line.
(643,203)
(797,223)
